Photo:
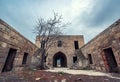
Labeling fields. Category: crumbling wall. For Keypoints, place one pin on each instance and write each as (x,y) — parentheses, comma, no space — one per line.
(81,62)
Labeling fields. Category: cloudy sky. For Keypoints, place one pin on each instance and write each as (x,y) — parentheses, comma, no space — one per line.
(87,17)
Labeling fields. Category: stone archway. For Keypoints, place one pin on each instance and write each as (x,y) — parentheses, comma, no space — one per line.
(59,60)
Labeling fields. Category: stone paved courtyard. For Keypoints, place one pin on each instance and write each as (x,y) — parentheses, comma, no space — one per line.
(58,75)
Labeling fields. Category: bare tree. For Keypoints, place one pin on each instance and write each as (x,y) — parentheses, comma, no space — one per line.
(48,31)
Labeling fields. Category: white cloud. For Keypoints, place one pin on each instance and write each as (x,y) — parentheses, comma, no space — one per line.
(76,7)
(86,16)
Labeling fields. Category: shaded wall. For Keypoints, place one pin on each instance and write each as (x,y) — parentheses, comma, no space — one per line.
(10,38)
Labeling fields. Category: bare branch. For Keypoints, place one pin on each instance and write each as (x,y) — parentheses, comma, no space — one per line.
(49,31)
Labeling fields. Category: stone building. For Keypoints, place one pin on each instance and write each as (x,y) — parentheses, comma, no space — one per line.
(103,51)
(15,49)
(62,54)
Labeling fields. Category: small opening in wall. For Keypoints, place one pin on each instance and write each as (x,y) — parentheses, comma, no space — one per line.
(90,59)
(59,43)
(76,45)
(25,58)
(74,59)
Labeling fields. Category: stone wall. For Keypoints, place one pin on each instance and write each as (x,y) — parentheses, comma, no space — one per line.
(67,48)
(109,38)
(11,39)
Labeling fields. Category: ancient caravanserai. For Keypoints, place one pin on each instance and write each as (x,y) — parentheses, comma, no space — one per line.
(101,53)
(62,54)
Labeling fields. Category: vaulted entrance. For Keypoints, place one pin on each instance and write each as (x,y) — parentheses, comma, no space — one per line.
(9,60)
(59,60)
(110,59)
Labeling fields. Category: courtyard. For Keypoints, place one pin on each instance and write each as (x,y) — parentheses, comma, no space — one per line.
(59,75)
(60,41)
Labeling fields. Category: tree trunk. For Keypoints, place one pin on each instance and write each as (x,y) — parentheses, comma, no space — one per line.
(43,59)
(42,66)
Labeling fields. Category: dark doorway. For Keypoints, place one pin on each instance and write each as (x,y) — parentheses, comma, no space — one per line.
(25,58)
(76,44)
(110,59)
(59,60)
(90,59)
(74,59)
(9,60)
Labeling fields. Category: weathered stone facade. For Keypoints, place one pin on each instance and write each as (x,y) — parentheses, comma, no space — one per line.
(104,49)
(15,49)
(66,51)
(101,53)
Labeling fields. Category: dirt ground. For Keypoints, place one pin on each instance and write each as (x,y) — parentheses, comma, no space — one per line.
(44,76)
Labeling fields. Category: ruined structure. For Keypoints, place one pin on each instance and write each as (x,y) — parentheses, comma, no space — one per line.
(62,54)
(103,51)
(15,49)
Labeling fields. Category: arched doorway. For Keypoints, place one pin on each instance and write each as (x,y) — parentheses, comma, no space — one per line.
(59,60)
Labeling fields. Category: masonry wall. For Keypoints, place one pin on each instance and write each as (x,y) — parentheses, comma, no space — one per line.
(67,48)
(10,38)
(109,38)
